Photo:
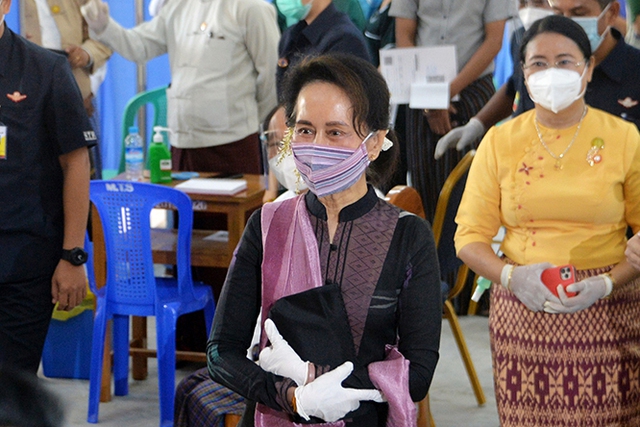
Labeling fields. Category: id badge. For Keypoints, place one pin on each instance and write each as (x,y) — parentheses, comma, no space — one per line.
(3,142)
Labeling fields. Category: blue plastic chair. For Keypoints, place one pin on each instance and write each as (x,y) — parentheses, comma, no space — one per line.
(132,290)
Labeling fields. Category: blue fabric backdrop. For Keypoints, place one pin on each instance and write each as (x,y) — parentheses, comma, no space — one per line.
(120,83)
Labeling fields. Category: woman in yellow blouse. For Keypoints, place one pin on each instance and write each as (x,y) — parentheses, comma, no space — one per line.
(564,180)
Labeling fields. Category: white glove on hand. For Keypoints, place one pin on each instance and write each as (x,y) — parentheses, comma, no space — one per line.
(96,13)
(461,136)
(326,399)
(527,286)
(280,358)
(589,291)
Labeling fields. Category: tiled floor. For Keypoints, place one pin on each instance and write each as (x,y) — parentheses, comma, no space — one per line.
(452,400)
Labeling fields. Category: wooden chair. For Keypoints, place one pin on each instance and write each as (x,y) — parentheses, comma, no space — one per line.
(231,420)
(451,268)
(406,198)
(443,226)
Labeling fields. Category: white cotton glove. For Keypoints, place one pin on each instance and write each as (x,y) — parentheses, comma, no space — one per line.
(526,285)
(155,6)
(280,358)
(589,291)
(96,13)
(326,399)
(461,137)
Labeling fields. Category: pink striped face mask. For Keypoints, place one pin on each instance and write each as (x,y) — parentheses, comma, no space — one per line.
(329,170)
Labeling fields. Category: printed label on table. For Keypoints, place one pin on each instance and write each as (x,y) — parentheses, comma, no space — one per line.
(199,205)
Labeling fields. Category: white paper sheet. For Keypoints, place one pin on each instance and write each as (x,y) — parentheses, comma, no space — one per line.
(429,95)
(403,66)
(218,236)
(219,186)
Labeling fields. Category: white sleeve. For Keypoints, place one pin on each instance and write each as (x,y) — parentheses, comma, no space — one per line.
(261,39)
(139,44)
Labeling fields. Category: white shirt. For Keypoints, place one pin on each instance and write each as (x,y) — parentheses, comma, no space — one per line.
(223,55)
(48,26)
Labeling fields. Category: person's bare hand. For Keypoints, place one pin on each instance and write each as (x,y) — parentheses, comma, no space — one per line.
(68,285)
(439,120)
(78,57)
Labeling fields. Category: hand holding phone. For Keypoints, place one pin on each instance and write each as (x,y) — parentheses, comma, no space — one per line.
(563,275)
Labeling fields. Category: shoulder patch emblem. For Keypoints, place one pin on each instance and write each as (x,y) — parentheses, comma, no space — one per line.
(627,102)
(16,96)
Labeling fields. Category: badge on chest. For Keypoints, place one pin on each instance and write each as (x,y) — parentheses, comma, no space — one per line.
(3,141)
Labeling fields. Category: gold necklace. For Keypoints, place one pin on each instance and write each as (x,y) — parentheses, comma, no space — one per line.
(559,158)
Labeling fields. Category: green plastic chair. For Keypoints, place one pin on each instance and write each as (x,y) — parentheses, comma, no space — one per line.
(156,97)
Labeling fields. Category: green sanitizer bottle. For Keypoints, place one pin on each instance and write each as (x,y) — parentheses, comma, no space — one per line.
(159,158)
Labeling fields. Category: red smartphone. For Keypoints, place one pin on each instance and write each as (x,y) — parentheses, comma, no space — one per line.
(563,275)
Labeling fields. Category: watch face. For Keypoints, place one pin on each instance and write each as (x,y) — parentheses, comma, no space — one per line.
(75,256)
(79,256)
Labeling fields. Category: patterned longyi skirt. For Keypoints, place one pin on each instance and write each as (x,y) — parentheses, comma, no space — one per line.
(580,369)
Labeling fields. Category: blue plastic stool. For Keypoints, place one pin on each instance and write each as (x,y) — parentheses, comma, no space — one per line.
(132,290)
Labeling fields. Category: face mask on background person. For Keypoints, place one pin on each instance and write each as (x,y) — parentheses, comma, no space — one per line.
(590,26)
(327,169)
(293,10)
(284,168)
(555,88)
(528,15)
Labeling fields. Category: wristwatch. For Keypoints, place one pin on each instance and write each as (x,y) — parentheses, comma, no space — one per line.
(76,256)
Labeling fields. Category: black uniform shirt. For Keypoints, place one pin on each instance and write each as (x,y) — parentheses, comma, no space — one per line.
(615,86)
(42,109)
(331,31)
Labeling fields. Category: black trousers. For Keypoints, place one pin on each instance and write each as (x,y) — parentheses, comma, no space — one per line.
(25,313)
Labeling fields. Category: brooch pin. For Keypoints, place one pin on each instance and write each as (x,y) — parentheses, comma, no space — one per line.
(593,155)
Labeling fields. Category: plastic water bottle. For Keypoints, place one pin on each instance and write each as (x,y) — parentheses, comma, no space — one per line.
(133,155)
(483,285)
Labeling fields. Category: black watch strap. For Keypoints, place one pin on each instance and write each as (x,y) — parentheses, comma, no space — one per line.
(76,256)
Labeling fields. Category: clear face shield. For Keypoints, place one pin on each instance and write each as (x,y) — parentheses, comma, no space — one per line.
(268,150)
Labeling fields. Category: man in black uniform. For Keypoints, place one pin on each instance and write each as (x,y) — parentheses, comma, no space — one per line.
(44,194)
